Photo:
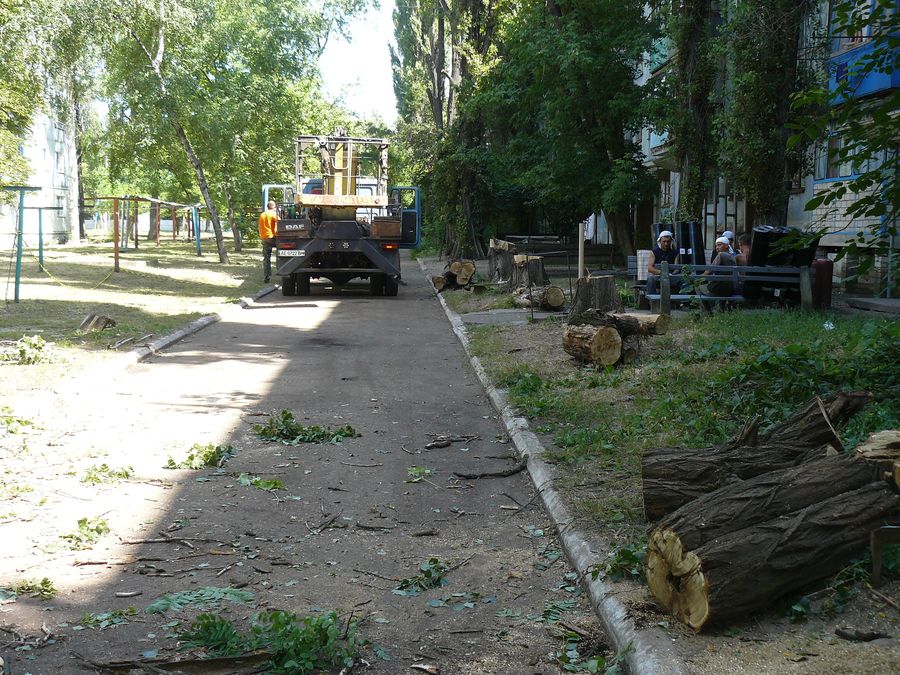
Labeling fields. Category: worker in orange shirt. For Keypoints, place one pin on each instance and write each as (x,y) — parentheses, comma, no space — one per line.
(268,223)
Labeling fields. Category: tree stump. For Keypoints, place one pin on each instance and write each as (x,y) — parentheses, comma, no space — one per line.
(601,345)
(551,298)
(500,260)
(597,293)
(528,270)
(744,571)
(674,476)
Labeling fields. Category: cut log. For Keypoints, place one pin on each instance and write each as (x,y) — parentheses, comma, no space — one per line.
(746,570)
(768,496)
(601,345)
(550,298)
(597,293)
(468,268)
(626,324)
(439,282)
(674,476)
(94,322)
(454,266)
(651,324)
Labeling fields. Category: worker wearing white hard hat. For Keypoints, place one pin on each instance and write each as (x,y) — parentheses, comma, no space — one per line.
(663,251)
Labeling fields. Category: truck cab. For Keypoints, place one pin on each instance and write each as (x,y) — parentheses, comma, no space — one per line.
(343,222)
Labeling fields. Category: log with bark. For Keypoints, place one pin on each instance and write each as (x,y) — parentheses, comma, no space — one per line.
(599,293)
(528,270)
(743,571)
(551,298)
(626,324)
(500,260)
(674,476)
(601,345)
(439,282)
(749,502)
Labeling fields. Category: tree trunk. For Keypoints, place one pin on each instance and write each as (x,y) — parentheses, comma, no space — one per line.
(204,188)
(600,345)
(744,571)
(154,222)
(768,496)
(626,324)
(674,476)
(500,260)
(232,221)
(79,166)
(598,293)
(622,230)
(528,271)
(550,298)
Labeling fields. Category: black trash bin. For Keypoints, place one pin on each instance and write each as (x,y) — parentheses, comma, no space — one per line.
(689,238)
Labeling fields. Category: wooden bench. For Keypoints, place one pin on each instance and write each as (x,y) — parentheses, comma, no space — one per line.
(767,276)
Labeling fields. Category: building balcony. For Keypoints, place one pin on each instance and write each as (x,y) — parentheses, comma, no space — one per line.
(841,68)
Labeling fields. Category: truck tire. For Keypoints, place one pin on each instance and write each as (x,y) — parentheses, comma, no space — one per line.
(303,284)
(288,286)
(376,284)
(391,285)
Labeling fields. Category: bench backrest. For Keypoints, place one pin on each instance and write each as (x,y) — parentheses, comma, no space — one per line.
(740,273)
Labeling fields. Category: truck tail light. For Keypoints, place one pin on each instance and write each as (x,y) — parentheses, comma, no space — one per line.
(288,245)
(390,247)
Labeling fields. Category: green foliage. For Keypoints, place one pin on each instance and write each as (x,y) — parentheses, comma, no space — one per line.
(416,474)
(269,484)
(623,562)
(95,475)
(202,598)
(202,456)
(103,620)
(281,426)
(43,589)
(215,635)
(572,659)
(11,423)
(27,351)
(296,644)
(86,534)
(13,490)
(431,575)
(305,644)
(553,611)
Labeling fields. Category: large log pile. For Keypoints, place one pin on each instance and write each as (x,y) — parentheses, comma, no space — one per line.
(674,476)
(772,513)
(458,273)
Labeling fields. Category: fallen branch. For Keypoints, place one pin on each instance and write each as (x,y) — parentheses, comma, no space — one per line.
(494,474)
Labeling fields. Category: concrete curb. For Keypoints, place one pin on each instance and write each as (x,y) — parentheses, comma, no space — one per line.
(140,353)
(650,652)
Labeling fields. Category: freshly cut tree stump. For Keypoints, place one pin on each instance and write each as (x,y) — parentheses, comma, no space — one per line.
(593,344)
(741,572)
(674,476)
(500,260)
(599,293)
(545,297)
(528,270)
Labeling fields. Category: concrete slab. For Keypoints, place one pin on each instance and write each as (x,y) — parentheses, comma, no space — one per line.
(884,305)
(505,316)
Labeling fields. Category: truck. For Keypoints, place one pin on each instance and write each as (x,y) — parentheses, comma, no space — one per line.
(340,221)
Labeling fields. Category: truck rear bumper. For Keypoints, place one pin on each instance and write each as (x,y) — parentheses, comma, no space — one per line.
(324,256)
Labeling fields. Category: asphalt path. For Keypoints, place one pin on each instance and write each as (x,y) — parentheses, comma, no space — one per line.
(353,520)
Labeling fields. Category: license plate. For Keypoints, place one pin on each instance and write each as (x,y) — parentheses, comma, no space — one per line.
(292,253)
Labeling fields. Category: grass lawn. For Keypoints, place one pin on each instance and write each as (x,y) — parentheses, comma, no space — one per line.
(694,387)
(159,289)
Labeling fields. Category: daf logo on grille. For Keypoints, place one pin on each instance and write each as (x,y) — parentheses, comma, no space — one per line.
(331,244)
(346,244)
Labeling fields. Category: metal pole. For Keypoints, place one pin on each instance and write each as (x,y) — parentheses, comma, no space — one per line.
(581,250)
(116,234)
(197,228)
(41,236)
(19,233)
(174,222)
